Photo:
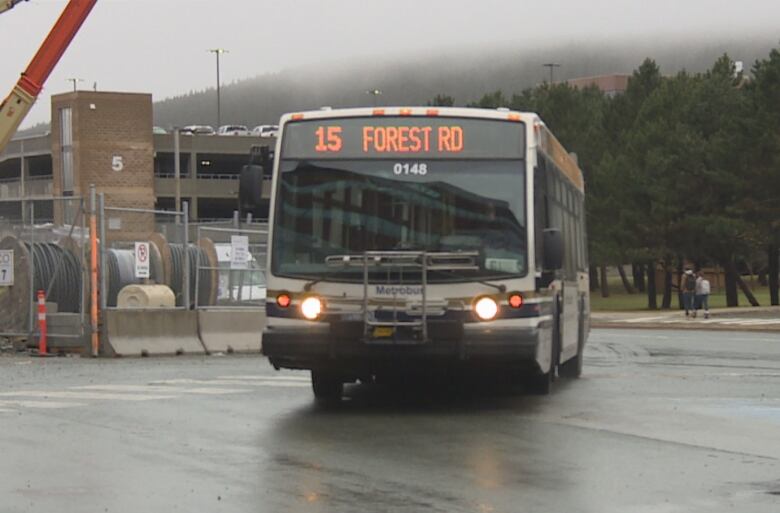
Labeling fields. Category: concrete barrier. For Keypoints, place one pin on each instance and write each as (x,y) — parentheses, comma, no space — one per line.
(65,333)
(139,332)
(228,331)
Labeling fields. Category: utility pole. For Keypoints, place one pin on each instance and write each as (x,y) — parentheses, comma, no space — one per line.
(552,66)
(177,171)
(218,52)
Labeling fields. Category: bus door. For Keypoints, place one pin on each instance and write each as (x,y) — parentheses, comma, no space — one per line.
(570,298)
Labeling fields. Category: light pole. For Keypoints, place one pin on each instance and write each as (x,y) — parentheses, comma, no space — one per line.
(552,66)
(218,52)
(375,93)
(75,82)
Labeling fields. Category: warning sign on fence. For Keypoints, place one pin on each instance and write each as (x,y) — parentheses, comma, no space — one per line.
(6,267)
(239,252)
(141,259)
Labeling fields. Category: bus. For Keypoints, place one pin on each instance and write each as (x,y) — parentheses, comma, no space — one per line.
(424,238)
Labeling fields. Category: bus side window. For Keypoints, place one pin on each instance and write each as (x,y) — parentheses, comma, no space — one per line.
(540,208)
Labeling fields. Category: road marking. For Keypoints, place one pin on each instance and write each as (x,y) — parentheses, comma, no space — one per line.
(290,384)
(163,388)
(229,382)
(58,394)
(13,401)
(643,319)
(271,377)
(45,405)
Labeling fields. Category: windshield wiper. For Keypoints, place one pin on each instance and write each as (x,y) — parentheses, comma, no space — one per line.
(307,287)
(501,287)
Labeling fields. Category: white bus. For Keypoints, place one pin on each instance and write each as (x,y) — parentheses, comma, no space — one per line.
(422,238)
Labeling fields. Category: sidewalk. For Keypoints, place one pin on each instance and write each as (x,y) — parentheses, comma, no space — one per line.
(763,318)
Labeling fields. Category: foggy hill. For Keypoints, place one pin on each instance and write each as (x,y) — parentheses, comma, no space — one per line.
(463,74)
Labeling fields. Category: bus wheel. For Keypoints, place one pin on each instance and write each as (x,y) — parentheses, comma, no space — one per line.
(327,386)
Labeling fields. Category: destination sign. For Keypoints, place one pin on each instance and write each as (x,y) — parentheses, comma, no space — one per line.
(403,137)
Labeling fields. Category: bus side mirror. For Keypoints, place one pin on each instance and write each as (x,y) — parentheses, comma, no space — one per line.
(250,187)
(251,181)
(553,249)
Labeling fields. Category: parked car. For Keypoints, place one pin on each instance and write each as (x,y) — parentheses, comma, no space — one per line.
(233,130)
(158,130)
(197,130)
(265,131)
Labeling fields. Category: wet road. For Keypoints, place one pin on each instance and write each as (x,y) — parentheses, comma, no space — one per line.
(660,422)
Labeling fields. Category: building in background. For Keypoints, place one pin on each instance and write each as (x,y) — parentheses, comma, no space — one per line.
(107,139)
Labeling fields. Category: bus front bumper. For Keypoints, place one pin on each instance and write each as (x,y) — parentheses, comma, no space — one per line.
(294,348)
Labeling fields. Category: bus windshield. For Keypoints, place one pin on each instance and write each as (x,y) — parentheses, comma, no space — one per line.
(345,206)
(348,207)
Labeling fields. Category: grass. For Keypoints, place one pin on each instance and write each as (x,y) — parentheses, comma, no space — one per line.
(619,300)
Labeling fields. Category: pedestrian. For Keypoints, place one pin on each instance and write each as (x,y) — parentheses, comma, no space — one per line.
(697,294)
(702,295)
(689,292)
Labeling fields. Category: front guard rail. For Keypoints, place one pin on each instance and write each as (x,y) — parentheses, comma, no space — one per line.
(423,260)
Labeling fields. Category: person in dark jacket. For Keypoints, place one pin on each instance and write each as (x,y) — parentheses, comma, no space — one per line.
(688,291)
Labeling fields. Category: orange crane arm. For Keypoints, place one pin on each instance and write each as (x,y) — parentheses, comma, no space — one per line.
(8,4)
(20,101)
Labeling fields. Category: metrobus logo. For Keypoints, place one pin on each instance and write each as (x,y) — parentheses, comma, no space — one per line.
(398,290)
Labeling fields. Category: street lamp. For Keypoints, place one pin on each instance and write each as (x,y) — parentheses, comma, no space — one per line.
(552,66)
(375,93)
(75,82)
(218,52)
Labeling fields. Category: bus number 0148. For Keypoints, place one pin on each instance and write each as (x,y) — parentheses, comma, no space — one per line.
(420,169)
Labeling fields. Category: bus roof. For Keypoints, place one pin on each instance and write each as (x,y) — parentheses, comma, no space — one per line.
(465,112)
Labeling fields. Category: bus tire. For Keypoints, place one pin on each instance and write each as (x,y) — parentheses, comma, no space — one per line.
(327,386)
(542,384)
(573,367)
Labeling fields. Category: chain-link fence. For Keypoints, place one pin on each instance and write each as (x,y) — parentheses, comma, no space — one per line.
(145,247)
(237,259)
(44,250)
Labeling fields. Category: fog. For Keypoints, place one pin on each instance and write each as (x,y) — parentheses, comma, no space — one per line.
(160,46)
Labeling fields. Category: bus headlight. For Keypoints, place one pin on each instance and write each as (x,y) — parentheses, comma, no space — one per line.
(311,307)
(486,308)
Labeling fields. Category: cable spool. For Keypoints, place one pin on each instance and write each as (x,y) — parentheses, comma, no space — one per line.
(120,271)
(171,263)
(57,270)
(15,300)
(212,276)
(201,256)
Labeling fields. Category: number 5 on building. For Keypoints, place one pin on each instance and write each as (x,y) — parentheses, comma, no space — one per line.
(117,163)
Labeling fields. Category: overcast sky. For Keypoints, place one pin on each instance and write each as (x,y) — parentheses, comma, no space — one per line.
(160,46)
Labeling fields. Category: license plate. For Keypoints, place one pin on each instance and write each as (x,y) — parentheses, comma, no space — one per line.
(383,332)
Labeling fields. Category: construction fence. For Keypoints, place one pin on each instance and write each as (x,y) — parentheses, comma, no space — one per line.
(159,279)
(44,247)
